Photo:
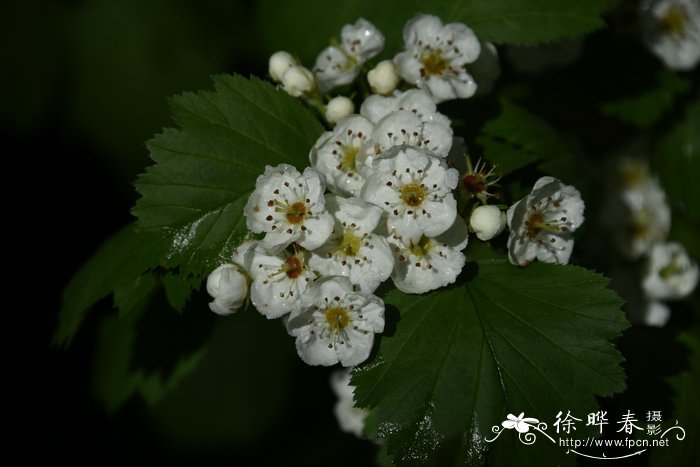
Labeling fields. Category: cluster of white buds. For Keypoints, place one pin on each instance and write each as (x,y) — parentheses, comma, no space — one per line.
(378,201)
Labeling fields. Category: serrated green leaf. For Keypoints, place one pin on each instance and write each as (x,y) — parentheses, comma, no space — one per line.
(509,340)
(115,380)
(195,194)
(647,108)
(517,138)
(118,263)
(178,290)
(522,21)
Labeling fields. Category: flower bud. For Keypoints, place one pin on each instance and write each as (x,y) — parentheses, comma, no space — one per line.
(279,63)
(228,287)
(297,80)
(487,222)
(339,107)
(383,78)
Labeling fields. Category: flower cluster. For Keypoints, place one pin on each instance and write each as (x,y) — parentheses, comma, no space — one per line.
(639,218)
(447,61)
(378,201)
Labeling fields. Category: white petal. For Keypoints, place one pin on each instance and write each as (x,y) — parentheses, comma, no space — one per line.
(656,314)
(333,68)
(456,236)
(362,39)
(318,229)
(355,211)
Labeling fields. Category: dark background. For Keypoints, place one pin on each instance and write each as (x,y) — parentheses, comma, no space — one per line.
(84,85)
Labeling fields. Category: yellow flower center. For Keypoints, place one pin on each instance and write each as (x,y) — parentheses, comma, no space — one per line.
(347,161)
(434,63)
(536,224)
(422,248)
(350,244)
(412,194)
(295,213)
(337,318)
(674,21)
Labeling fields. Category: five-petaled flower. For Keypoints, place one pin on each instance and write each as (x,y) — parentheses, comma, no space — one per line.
(541,224)
(436,57)
(289,207)
(414,187)
(335,323)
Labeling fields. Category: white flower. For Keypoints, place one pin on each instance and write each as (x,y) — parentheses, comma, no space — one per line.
(656,314)
(436,57)
(383,78)
(671,29)
(297,80)
(521,423)
(335,154)
(414,188)
(639,217)
(670,273)
(430,263)
(353,250)
(279,281)
(289,207)
(279,63)
(339,64)
(376,107)
(541,223)
(339,107)
(336,324)
(487,222)
(350,418)
(228,287)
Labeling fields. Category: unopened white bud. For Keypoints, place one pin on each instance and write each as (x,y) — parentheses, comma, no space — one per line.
(383,78)
(279,63)
(339,107)
(487,222)
(228,287)
(297,80)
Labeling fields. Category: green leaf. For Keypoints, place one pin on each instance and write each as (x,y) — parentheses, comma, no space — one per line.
(676,160)
(509,340)
(686,410)
(117,265)
(115,381)
(517,138)
(522,21)
(195,194)
(178,289)
(645,109)
(304,27)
